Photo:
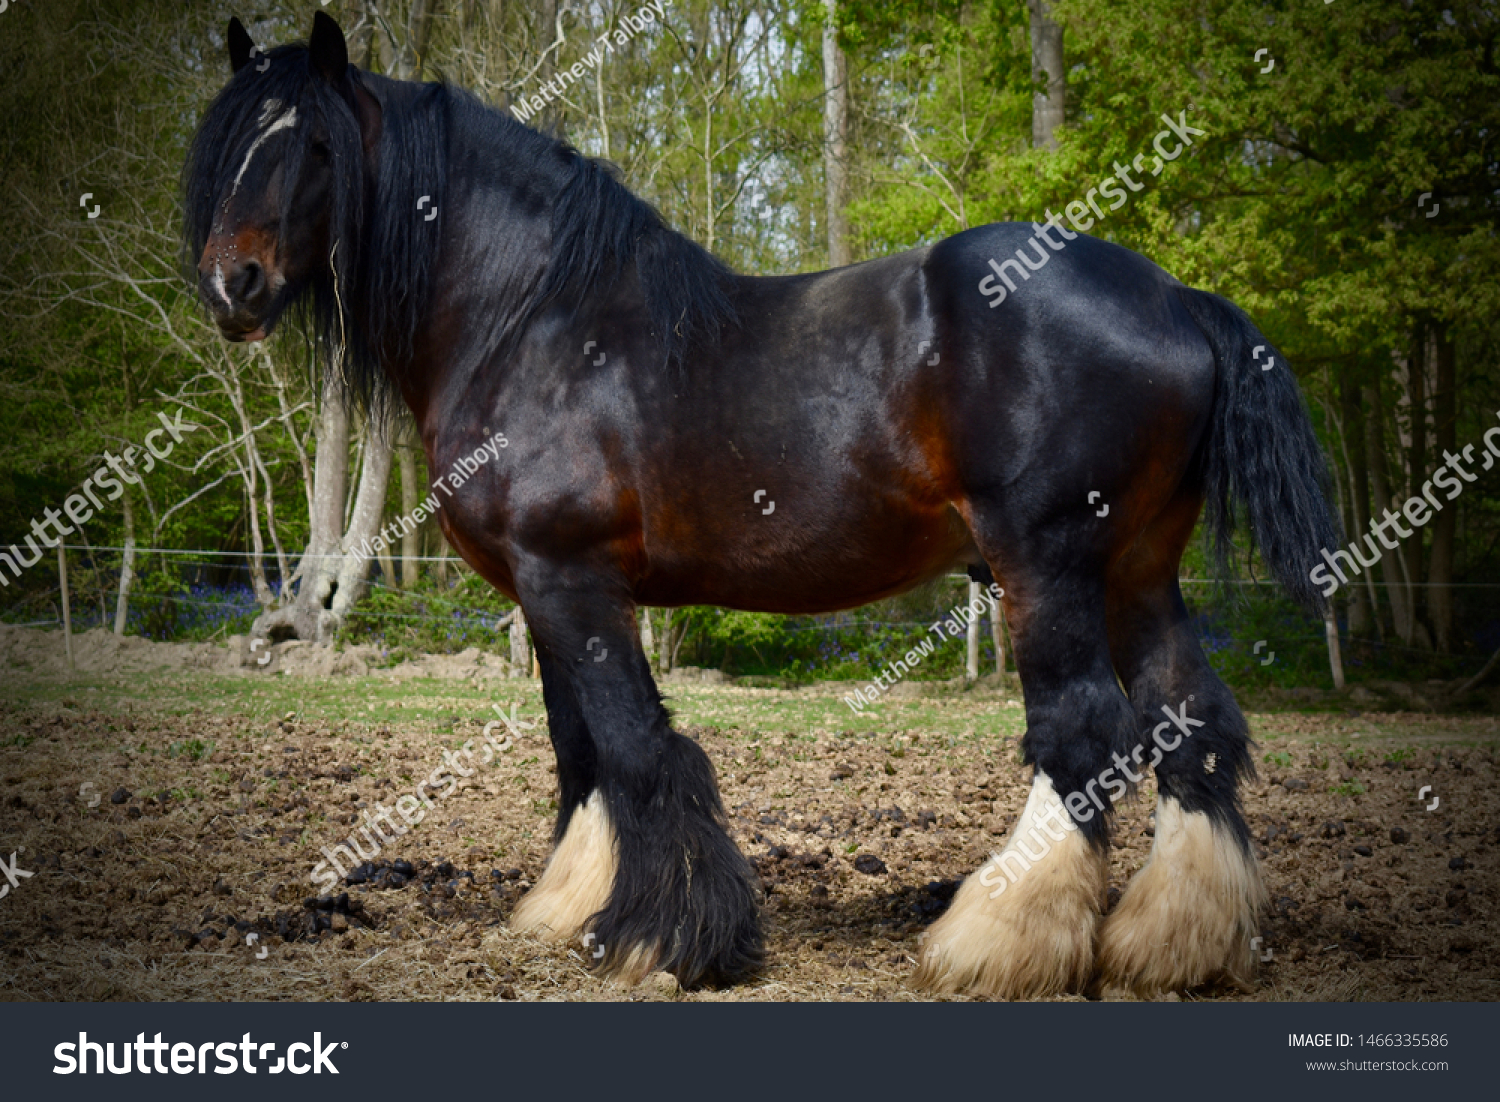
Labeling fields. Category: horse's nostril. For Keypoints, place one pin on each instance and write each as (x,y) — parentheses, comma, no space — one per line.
(249,282)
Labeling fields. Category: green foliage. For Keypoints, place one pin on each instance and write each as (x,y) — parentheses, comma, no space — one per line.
(158,596)
(846,646)
(1300,202)
(194,749)
(430,619)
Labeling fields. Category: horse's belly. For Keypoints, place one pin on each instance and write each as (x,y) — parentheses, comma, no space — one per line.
(823,569)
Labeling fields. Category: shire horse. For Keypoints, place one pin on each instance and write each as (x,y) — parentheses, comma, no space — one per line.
(495,280)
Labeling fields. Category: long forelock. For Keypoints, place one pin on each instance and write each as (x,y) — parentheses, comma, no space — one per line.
(231,126)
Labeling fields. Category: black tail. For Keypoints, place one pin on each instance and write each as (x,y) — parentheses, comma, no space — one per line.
(1262,452)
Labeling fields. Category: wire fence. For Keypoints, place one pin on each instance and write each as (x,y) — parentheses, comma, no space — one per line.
(205,611)
(458,563)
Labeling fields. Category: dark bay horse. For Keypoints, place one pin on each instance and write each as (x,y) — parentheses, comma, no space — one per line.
(498,281)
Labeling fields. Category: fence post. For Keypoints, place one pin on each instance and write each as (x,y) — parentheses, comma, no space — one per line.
(648,640)
(62,575)
(127,567)
(972,668)
(1335,658)
(997,635)
(520,660)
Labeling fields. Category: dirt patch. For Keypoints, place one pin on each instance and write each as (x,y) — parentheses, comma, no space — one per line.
(160,843)
(101,652)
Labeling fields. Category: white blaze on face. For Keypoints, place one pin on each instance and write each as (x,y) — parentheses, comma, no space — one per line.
(218,284)
(284,122)
(270,110)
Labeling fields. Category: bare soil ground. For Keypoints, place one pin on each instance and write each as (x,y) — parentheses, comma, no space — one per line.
(169,814)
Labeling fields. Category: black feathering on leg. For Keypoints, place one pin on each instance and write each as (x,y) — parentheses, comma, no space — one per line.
(683,892)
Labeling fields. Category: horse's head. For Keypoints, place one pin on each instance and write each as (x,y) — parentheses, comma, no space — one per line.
(275,178)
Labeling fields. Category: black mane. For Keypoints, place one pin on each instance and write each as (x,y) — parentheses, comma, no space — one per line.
(373,304)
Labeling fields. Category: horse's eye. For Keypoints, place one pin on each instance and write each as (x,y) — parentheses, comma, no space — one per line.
(320,149)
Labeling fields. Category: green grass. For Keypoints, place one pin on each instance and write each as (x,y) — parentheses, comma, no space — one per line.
(367,709)
(194,749)
(374,702)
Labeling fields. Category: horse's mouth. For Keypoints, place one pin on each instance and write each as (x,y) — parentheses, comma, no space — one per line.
(259,333)
(246,324)
(240,330)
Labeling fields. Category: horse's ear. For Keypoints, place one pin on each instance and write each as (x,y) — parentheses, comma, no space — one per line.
(240,45)
(330,54)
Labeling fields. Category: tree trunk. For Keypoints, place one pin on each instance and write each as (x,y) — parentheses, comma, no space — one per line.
(1380,491)
(127,566)
(835,137)
(1048,109)
(364,525)
(387,564)
(550,117)
(320,563)
(1364,606)
(361,37)
(441,570)
(1416,393)
(418,35)
(1444,525)
(664,655)
(410,495)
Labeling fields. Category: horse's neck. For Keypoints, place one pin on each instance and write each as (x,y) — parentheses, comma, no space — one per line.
(496,245)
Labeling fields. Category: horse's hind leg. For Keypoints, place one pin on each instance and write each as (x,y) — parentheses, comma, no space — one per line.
(1024,925)
(645,862)
(1189,914)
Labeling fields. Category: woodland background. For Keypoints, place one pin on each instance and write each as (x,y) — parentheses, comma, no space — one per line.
(785,136)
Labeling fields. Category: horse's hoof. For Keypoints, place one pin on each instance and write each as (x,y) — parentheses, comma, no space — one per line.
(1190,915)
(696,919)
(1023,926)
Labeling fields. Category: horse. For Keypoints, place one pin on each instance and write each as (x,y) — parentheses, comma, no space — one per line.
(1064,444)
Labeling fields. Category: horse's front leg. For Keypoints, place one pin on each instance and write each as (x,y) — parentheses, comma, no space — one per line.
(643,858)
